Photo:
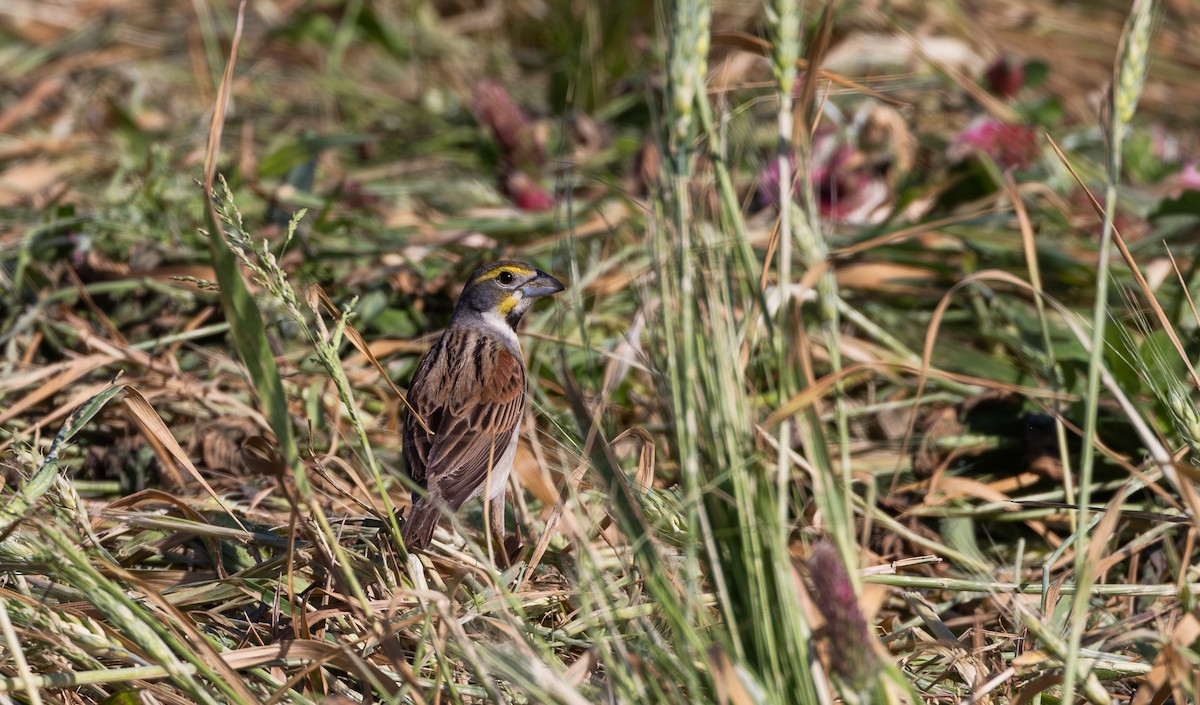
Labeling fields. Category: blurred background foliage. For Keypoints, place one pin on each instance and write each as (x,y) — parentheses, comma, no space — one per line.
(425,138)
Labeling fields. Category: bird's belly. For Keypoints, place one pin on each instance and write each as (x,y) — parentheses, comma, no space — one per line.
(498,482)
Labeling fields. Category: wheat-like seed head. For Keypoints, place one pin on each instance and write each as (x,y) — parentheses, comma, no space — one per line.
(690,37)
(1130,78)
(783,18)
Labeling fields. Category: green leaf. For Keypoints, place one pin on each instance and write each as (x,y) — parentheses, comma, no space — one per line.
(304,150)
(1160,361)
(39,483)
(1047,112)
(389,36)
(1142,164)
(1036,73)
(1118,358)
(1188,203)
(250,338)
(123,697)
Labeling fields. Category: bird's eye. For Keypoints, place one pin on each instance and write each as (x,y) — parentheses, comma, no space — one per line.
(505,277)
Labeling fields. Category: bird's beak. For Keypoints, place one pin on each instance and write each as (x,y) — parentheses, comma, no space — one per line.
(541,285)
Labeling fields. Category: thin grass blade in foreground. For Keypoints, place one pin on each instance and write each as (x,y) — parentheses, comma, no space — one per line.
(43,542)
(732,496)
(240,308)
(1129,78)
(43,478)
(250,336)
(832,485)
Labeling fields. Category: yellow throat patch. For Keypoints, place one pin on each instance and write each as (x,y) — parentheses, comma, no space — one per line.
(509,303)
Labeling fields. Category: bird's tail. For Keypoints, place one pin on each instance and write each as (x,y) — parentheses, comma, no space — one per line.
(418,528)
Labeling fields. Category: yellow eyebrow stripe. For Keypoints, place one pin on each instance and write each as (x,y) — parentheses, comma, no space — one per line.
(491,273)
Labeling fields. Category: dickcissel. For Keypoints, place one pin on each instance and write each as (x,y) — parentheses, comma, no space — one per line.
(469,388)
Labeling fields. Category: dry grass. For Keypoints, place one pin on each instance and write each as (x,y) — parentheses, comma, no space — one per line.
(733,402)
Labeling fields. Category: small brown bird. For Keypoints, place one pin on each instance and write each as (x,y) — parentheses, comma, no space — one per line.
(470,390)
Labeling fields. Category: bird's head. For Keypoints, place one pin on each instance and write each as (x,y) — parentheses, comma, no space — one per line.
(506,289)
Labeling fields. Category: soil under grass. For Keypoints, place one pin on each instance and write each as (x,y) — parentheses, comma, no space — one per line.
(824,414)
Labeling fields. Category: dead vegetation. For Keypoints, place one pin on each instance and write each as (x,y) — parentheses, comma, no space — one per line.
(847,419)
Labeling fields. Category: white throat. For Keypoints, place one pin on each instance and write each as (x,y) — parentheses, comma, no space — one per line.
(497,323)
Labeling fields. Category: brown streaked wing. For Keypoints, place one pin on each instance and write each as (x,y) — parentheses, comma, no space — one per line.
(423,394)
(479,431)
